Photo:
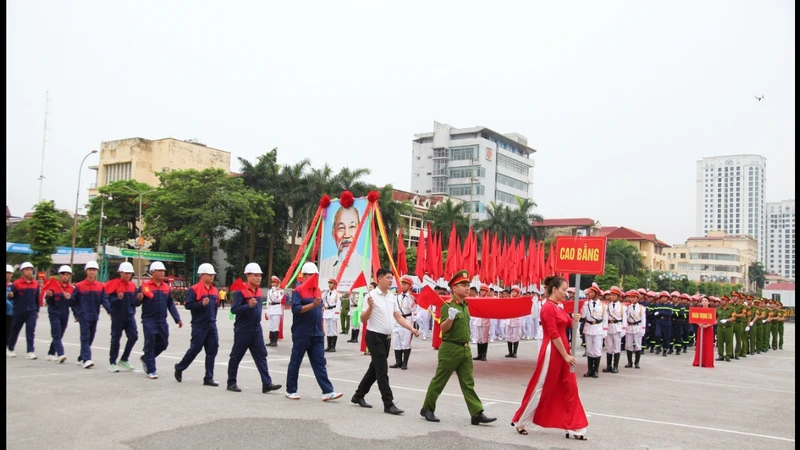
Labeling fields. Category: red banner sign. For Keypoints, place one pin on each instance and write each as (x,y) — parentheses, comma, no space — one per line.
(581,254)
(703,316)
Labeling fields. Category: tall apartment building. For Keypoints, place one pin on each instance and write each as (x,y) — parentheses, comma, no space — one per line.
(140,159)
(475,165)
(780,239)
(730,197)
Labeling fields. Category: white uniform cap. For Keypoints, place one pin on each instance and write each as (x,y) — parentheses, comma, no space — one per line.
(125,267)
(206,268)
(252,268)
(92,265)
(26,265)
(63,269)
(309,268)
(157,265)
(9,268)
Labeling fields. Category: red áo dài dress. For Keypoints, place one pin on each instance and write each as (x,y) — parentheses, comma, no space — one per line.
(551,399)
(704,348)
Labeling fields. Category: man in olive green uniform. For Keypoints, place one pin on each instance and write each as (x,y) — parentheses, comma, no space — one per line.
(738,325)
(455,354)
(773,319)
(784,313)
(344,315)
(724,330)
(755,328)
(763,327)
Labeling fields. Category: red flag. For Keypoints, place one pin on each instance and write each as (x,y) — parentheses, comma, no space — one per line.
(280,328)
(421,256)
(360,281)
(430,256)
(484,256)
(466,254)
(238,285)
(427,297)
(112,286)
(309,288)
(52,284)
(439,261)
(402,264)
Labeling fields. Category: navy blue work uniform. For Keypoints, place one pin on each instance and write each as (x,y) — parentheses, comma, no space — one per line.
(307,337)
(58,313)
(156,300)
(9,313)
(26,311)
(123,318)
(204,327)
(663,315)
(86,302)
(248,335)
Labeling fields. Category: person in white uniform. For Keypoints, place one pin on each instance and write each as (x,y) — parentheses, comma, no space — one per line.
(536,309)
(593,314)
(274,310)
(401,336)
(422,317)
(615,328)
(513,328)
(482,330)
(331,307)
(636,320)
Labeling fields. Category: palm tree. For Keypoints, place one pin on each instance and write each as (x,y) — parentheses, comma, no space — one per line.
(624,257)
(443,215)
(757,274)
(392,213)
(296,195)
(350,180)
(525,211)
(496,220)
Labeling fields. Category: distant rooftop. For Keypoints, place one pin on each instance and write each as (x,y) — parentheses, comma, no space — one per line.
(779,287)
(630,235)
(515,139)
(580,222)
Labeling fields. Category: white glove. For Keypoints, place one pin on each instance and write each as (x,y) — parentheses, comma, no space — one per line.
(751,324)
(763,320)
(656,313)
(452,313)
(723,321)
(746,328)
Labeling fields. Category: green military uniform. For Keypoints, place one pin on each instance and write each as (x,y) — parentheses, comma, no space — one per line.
(773,328)
(724,333)
(455,355)
(784,315)
(755,329)
(344,315)
(763,334)
(738,329)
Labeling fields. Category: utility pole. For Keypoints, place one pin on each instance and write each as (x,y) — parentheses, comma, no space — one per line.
(44,144)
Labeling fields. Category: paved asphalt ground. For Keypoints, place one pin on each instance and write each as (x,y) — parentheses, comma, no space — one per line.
(668,403)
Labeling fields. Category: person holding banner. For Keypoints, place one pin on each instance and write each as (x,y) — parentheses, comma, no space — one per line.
(551,399)
(704,353)
(513,329)
(455,354)
(482,330)
(58,312)
(274,310)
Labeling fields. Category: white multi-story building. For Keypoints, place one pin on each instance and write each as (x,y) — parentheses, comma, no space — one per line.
(780,239)
(730,197)
(476,165)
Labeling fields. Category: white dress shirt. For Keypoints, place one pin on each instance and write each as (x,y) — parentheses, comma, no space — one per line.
(383,308)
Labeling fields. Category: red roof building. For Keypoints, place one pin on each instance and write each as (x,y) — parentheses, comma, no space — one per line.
(568,227)
(648,245)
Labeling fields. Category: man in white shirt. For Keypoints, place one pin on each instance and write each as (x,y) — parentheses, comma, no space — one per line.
(381,307)
(331,305)
(401,338)
(274,310)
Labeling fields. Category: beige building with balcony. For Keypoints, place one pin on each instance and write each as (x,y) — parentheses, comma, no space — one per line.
(718,257)
(140,159)
(415,221)
(649,246)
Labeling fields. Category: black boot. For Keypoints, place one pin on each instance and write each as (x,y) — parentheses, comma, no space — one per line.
(479,347)
(677,351)
(615,369)
(485,351)
(354,336)
(652,349)
(596,367)
(510,350)
(590,367)
(406,354)
(609,358)
(516,346)
(630,359)
(638,356)
(328,348)
(275,338)
(398,359)
(333,343)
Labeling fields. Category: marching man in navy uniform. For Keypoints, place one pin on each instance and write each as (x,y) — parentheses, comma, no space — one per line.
(202,300)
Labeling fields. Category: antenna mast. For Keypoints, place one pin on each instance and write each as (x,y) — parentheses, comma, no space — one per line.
(44,144)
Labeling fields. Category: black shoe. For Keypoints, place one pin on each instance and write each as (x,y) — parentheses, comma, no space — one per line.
(392,409)
(678,352)
(670,351)
(735,357)
(233,388)
(720,359)
(658,352)
(210,383)
(428,415)
(652,349)
(265,388)
(178,375)
(360,402)
(480,418)
(595,375)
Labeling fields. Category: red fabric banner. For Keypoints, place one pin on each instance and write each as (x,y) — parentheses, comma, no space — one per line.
(499,308)
(238,285)
(402,264)
(421,255)
(360,281)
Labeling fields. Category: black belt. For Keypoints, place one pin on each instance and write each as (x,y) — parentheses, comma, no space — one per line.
(330,308)
(612,322)
(592,322)
(273,303)
(406,315)
(635,323)
(462,344)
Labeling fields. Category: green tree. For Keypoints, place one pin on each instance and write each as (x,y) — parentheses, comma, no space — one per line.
(631,282)
(351,180)
(625,257)
(120,206)
(45,231)
(757,274)
(442,217)
(609,278)
(21,233)
(392,212)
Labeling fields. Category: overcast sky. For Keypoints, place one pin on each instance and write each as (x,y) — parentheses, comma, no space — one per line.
(620,99)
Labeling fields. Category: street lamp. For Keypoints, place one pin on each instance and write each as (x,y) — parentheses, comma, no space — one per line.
(75,217)
(100,228)
(139,240)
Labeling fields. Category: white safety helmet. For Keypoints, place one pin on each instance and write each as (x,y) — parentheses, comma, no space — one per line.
(309,268)
(157,265)
(125,267)
(92,265)
(25,265)
(63,269)
(9,268)
(206,268)
(252,268)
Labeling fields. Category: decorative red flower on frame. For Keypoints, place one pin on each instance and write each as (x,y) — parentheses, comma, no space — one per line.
(325,201)
(346,199)
(373,196)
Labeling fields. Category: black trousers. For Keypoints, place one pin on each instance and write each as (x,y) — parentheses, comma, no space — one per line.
(378,346)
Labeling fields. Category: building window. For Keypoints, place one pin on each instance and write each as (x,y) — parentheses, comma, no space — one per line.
(118,172)
(501,196)
(510,182)
(464,153)
(512,165)
(467,172)
(464,189)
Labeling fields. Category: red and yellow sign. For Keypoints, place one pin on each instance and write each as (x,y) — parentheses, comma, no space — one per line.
(581,254)
(703,316)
